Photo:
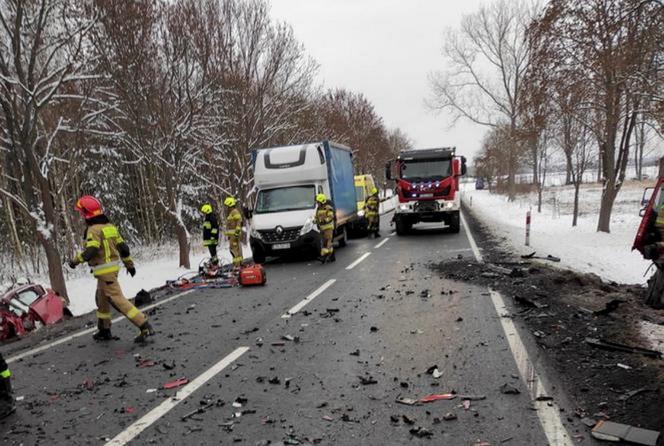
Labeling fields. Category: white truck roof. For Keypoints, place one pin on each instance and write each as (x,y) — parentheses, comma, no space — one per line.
(289,165)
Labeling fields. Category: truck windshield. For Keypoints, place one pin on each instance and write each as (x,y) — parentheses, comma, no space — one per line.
(421,170)
(283,199)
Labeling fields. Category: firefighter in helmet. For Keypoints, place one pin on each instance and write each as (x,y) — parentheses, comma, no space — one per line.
(104,251)
(233,230)
(373,217)
(325,221)
(6,398)
(210,232)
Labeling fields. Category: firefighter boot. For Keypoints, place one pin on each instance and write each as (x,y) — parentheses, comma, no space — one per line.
(6,399)
(331,257)
(103,334)
(146,331)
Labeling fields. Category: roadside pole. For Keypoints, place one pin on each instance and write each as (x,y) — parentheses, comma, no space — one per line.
(528,228)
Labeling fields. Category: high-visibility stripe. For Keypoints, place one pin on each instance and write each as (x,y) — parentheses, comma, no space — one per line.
(79,257)
(102,315)
(326,227)
(5,373)
(209,242)
(207,225)
(229,233)
(92,244)
(132,313)
(214,231)
(127,259)
(110,232)
(105,268)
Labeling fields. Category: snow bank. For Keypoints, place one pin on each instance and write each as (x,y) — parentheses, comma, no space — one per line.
(581,248)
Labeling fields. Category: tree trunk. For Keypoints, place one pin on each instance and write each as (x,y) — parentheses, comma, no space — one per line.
(568,168)
(606,207)
(55,273)
(534,150)
(11,217)
(183,243)
(575,212)
(511,185)
(539,198)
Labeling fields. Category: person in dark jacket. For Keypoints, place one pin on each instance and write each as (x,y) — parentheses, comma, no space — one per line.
(210,232)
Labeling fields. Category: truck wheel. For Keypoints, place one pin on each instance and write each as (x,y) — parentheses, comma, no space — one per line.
(343,241)
(454,222)
(402,227)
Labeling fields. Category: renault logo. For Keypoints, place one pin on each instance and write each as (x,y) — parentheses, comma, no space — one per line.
(279,230)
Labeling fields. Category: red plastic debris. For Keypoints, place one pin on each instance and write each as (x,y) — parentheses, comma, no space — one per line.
(145,363)
(130,409)
(436,397)
(89,384)
(176,383)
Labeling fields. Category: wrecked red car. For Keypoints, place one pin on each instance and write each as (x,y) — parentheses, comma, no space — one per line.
(29,307)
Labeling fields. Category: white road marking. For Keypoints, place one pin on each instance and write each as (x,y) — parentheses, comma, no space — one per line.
(471,240)
(549,416)
(382,243)
(308,299)
(357,262)
(44,347)
(148,419)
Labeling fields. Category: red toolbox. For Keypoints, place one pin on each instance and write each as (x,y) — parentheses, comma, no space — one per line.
(252,275)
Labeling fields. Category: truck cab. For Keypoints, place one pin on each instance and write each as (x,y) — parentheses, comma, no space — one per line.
(427,186)
(287,180)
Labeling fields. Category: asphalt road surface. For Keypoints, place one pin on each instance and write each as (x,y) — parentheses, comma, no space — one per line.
(379,301)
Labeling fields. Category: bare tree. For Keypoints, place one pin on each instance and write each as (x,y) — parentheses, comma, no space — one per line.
(488,57)
(613,45)
(47,93)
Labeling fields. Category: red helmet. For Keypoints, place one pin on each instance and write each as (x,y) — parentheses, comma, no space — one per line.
(89,207)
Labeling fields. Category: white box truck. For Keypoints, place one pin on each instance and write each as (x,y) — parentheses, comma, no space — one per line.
(287,180)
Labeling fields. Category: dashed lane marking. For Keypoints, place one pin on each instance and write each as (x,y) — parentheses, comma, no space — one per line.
(358,261)
(549,415)
(155,414)
(382,243)
(308,299)
(52,344)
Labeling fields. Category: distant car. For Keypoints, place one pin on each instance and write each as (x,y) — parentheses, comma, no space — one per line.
(479,183)
(29,307)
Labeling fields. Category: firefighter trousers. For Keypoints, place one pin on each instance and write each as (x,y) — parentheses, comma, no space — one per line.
(327,237)
(373,223)
(236,250)
(109,294)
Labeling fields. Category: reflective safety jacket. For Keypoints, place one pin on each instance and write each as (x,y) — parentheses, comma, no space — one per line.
(325,217)
(210,230)
(371,206)
(105,250)
(233,223)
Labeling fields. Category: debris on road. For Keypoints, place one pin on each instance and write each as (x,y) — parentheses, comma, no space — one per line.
(373,329)
(355,353)
(421,432)
(608,345)
(549,257)
(449,416)
(472,397)
(437,397)
(367,380)
(407,401)
(609,307)
(610,431)
(176,383)
(509,389)
(406,419)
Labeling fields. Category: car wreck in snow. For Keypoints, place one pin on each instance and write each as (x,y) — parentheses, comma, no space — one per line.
(28,307)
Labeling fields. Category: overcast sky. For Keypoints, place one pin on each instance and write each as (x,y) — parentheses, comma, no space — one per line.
(385,49)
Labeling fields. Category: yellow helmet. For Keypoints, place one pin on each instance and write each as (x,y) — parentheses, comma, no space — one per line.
(321,198)
(230,202)
(206,208)
(374,191)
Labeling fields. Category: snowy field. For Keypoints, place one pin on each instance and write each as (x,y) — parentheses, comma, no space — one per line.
(581,248)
